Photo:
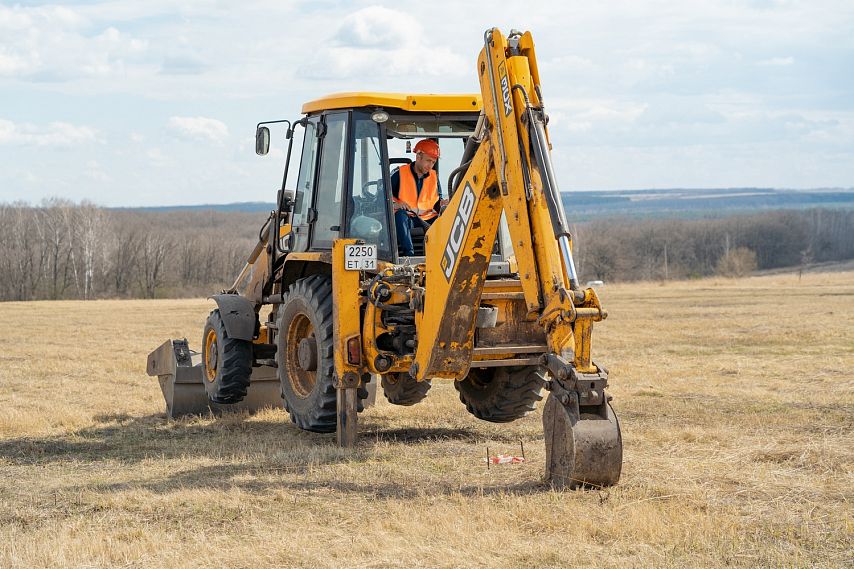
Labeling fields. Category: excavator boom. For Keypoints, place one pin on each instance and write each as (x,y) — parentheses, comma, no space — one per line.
(511,172)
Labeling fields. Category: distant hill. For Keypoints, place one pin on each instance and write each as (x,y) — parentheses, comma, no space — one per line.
(711,202)
(250,207)
(674,202)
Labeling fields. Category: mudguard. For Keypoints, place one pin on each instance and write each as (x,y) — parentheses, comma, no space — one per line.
(238,314)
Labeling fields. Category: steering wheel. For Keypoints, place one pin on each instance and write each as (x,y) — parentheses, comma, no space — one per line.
(367,193)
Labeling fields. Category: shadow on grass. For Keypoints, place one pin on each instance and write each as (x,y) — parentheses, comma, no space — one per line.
(130,439)
(255,455)
(371,434)
(305,481)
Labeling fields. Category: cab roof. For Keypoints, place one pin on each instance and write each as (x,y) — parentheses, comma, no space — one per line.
(411,102)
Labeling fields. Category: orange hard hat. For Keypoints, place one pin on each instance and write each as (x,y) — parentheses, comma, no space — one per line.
(428,147)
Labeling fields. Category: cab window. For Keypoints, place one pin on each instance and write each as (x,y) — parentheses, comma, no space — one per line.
(330,183)
(367,214)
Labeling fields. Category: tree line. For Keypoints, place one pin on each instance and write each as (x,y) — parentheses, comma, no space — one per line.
(64,250)
(661,249)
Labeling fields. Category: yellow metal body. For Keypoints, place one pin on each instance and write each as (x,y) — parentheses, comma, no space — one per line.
(210,353)
(424,102)
(263,335)
(255,274)
(346,311)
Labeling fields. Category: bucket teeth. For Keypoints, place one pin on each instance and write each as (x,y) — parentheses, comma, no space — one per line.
(582,449)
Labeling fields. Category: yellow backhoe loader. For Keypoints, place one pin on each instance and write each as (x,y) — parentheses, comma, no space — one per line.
(490,299)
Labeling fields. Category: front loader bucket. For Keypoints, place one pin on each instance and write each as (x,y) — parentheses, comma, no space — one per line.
(179,371)
(581,449)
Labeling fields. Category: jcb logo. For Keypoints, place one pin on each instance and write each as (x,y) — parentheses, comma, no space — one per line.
(505,91)
(458,232)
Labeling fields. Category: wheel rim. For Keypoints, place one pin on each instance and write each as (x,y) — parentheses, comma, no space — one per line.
(301,381)
(211,356)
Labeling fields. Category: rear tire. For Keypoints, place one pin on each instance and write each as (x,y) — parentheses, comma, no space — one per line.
(304,355)
(501,394)
(402,389)
(226,363)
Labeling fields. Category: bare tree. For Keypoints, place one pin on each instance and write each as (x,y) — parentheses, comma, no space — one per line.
(738,262)
(22,255)
(54,233)
(155,248)
(89,230)
(122,256)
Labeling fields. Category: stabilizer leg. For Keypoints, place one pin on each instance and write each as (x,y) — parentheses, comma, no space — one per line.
(348,401)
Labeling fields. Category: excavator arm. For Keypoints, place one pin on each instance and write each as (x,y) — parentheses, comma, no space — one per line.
(511,172)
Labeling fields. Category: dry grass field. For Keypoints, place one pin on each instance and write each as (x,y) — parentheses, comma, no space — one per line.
(736,399)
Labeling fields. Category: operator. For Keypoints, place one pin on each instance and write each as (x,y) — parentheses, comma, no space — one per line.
(416,194)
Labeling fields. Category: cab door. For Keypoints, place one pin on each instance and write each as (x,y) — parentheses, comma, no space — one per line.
(302,215)
(331,185)
(368,205)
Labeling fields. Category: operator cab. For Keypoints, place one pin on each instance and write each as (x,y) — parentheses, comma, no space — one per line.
(400,133)
(352,143)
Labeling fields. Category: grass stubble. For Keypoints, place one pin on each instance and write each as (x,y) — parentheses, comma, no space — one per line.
(736,399)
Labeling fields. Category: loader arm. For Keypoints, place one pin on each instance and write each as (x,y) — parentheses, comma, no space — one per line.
(511,171)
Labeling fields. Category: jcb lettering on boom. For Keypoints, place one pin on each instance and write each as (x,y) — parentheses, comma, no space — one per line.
(458,231)
(505,91)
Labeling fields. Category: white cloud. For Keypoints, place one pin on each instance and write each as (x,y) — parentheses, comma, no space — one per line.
(381,42)
(199,128)
(11,64)
(583,115)
(157,158)
(568,64)
(778,61)
(57,44)
(95,172)
(64,134)
(379,27)
(56,134)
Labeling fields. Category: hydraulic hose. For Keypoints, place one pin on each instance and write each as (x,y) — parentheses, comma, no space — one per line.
(558,218)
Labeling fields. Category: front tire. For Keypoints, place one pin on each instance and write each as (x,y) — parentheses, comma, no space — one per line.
(304,355)
(226,362)
(501,394)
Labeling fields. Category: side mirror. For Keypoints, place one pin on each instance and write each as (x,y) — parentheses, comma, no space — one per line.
(262,141)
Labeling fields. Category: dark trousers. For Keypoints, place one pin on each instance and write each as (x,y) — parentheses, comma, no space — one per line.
(403,224)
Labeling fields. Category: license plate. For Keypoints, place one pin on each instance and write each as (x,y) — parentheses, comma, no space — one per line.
(360,257)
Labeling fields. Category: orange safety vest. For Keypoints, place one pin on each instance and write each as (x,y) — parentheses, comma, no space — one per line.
(421,203)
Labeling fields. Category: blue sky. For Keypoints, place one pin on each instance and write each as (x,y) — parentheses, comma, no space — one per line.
(154,103)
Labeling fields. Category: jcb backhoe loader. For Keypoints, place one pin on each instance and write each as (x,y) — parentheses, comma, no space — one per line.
(491,299)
